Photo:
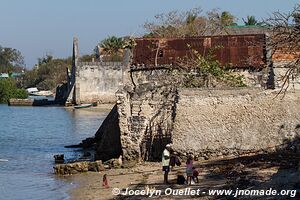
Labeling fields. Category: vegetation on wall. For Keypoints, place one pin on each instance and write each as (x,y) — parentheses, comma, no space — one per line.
(197,71)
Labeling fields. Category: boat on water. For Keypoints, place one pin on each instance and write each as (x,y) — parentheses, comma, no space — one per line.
(36,92)
(87,105)
(83,106)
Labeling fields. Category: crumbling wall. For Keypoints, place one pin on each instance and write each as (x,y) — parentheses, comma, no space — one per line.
(98,81)
(212,123)
(146,113)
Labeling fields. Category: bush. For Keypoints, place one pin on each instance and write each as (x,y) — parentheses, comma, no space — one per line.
(8,90)
(205,71)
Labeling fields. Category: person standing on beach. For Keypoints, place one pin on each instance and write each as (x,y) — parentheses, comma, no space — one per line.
(105,181)
(166,162)
(189,170)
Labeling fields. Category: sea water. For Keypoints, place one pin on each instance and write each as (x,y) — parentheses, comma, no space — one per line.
(29,137)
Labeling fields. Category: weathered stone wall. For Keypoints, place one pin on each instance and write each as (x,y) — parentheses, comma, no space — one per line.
(232,122)
(146,113)
(98,81)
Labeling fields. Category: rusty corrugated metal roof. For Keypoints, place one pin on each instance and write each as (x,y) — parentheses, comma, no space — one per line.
(240,51)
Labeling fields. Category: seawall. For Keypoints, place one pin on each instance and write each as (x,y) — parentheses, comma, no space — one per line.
(233,122)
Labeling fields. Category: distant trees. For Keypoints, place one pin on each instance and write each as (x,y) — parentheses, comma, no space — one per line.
(11,60)
(48,73)
(8,89)
(87,57)
(220,20)
(177,24)
(190,23)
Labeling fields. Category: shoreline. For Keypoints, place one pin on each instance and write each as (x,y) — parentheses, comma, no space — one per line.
(99,108)
(89,185)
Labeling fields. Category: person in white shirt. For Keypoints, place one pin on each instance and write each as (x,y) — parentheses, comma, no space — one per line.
(166,162)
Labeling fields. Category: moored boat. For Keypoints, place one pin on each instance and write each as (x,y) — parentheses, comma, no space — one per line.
(83,106)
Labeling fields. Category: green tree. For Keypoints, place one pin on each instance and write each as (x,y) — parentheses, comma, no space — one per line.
(251,21)
(11,60)
(8,90)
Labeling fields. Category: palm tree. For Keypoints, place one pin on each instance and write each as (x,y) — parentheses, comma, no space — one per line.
(227,19)
(112,45)
(250,21)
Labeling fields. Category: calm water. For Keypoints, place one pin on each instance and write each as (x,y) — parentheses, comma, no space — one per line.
(29,137)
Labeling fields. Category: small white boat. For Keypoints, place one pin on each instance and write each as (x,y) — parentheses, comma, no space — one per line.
(3,160)
(36,92)
(42,93)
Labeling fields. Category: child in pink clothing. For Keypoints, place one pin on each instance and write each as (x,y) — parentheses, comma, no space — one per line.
(105,181)
(189,170)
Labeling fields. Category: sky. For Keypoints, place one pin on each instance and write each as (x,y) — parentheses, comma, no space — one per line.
(41,27)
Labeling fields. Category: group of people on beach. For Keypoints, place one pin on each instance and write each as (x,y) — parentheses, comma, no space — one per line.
(170,159)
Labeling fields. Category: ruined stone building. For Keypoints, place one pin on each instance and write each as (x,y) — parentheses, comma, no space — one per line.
(151,112)
(94,81)
(247,54)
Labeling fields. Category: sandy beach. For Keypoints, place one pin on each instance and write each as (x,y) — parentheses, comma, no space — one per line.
(256,172)
(89,185)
